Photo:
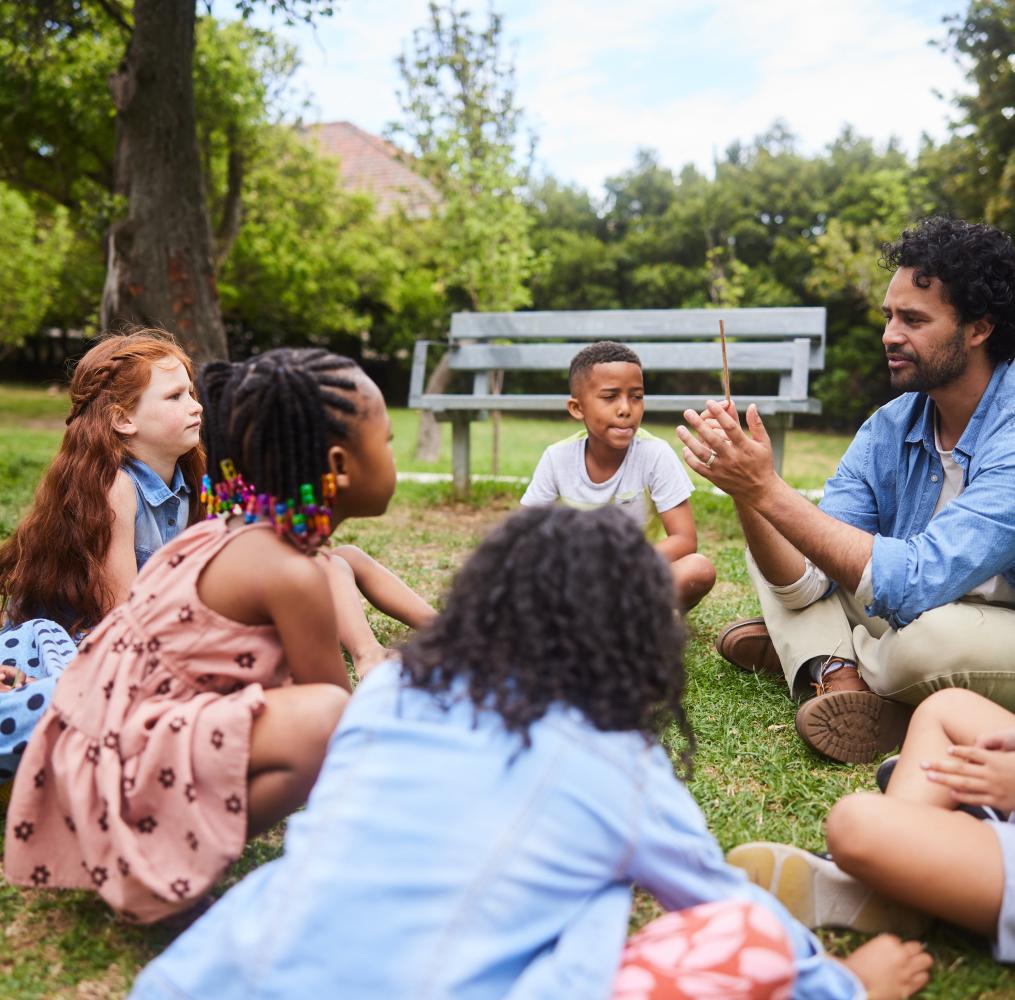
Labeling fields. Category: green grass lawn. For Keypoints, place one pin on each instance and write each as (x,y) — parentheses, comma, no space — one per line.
(753,778)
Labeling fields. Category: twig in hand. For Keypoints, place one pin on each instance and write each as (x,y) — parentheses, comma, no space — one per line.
(725,363)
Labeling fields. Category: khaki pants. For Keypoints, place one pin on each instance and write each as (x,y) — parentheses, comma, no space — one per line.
(966,644)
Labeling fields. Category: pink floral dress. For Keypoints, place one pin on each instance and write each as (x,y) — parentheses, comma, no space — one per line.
(134,783)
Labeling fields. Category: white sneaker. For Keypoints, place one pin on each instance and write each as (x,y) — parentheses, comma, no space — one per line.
(819,894)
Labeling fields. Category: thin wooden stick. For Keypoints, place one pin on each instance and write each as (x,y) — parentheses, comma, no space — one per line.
(725,363)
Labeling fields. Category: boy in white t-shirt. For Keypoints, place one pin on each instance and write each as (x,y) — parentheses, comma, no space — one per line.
(613,461)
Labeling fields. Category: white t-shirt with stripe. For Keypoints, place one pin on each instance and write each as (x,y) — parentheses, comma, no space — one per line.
(650,480)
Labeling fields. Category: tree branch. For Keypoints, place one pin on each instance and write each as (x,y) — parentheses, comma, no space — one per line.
(115,12)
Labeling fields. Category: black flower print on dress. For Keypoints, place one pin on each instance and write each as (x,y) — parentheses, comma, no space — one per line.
(217,738)
(190,791)
(120,645)
(99,876)
(154,645)
(121,863)
(40,777)
(107,690)
(147,824)
(167,777)
(92,753)
(24,830)
(175,559)
(111,741)
(177,723)
(163,687)
(185,614)
(181,888)
(191,839)
(245,661)
(234,804)
(40,875)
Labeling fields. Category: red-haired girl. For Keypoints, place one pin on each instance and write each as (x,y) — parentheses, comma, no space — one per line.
(122,484)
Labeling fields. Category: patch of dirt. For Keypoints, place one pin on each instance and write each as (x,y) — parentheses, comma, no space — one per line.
(111,986)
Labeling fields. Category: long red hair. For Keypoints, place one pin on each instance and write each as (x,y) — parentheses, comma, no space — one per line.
(51,567)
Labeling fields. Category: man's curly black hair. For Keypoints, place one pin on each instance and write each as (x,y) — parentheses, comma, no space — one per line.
(976,265)
(566,606)
(602,352)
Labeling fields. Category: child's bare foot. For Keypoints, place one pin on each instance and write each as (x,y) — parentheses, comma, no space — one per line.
(890,969)
(370,658)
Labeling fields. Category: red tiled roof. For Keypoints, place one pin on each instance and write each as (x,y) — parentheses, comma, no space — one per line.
(372,164)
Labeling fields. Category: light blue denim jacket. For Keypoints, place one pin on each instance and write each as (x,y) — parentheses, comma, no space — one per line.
(162,511)
(888,484)
(438,858)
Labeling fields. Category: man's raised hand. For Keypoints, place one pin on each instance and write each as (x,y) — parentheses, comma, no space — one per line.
(739,464)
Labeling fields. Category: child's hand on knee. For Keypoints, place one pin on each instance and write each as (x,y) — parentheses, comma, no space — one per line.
(1004,740)
(976,777)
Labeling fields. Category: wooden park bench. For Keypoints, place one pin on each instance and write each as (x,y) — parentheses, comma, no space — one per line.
(787,341)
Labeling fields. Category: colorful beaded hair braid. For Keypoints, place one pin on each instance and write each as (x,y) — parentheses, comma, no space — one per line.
(308,526)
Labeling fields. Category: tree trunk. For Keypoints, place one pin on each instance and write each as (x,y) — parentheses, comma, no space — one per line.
(160,257)
(428,440)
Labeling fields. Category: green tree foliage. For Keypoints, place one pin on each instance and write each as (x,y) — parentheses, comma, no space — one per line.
(977,170)
(461,123)
(32,253)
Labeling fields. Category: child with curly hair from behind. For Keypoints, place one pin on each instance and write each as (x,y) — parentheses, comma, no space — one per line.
(175,734)
(487,803)
(123,483)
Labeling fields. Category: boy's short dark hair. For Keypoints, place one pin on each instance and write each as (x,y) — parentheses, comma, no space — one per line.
(976,265)
(602,352)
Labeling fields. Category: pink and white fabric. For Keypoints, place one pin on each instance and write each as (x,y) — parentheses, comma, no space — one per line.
(735,950)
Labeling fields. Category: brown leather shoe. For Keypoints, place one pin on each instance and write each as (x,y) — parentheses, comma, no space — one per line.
(849,723)
(747,645)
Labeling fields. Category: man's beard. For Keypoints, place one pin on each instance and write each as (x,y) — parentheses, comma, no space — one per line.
(943,367)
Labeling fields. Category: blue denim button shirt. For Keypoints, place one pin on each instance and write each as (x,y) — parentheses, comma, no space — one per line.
(438,857)
(888,484)
(162,510)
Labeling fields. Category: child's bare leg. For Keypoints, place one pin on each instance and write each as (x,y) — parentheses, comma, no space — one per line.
(693,578)
(948,717)
(354,630)
(910,844)
(288,742)
(890,968)
(937,860)
(384,590)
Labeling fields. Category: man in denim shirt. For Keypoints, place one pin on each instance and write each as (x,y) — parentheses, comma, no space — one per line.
(902,581)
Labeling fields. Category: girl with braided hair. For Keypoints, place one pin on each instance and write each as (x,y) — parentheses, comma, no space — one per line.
(487,803)
(123,483)
(175,734)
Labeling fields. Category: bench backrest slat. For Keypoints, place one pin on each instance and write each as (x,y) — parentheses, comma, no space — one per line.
(618,324)
(673,357)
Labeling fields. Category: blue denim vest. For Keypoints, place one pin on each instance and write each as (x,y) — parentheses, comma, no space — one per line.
(162,511)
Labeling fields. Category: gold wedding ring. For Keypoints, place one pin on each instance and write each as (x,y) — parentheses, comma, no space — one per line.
(711,459)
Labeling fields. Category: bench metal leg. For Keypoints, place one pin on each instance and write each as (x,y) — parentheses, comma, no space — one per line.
(460,457)
(776,424)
